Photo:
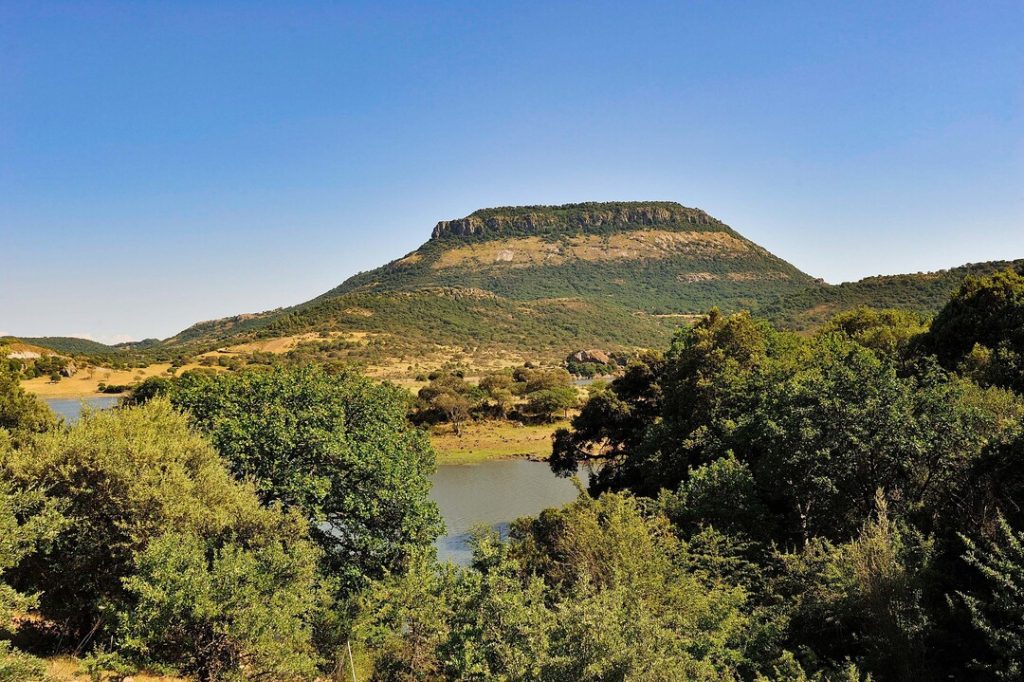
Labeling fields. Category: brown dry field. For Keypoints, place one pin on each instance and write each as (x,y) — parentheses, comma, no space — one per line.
(86,381)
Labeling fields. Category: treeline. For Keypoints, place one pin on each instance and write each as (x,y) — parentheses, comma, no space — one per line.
(764,506)
(527,394)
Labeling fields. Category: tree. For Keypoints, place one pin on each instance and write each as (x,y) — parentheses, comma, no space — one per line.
(998,611)
(500,390)
(455,408)
(544,404)
(215,608)
(21,410)
(28,521)
(594,591)
(339,447)
(451,398)
(887,331)
(982,329)
(128,478)
(613,422)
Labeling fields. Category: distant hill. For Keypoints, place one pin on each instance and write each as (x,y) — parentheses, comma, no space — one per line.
(649,257)
(538,282)
(70,345)
(923,292)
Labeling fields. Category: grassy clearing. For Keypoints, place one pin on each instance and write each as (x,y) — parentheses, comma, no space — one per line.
(86,381)
(489,440)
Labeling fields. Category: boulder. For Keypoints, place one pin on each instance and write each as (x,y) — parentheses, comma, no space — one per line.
(595,356)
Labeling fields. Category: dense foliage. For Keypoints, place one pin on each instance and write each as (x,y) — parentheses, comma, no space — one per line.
(848,466)
(137,490)
(20,410)
(981,331)
(843,505)
(923,293)
(337,447)
(135,539)
(526,394)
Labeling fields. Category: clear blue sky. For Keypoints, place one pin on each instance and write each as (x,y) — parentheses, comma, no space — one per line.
(163,163)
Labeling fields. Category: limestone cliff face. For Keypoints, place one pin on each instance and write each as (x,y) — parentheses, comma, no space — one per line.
(575,217)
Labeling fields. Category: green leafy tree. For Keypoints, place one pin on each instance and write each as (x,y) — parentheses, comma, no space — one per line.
(546,404)
(126,478)
(339,447)
(28,521)
(889,331)
(499,388)
(864,599)
(448,397)
(598,590)
(982,329)
(613,423)
(213,609)
(21,410)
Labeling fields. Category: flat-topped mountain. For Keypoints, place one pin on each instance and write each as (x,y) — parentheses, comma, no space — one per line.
(536,282)
(656,258)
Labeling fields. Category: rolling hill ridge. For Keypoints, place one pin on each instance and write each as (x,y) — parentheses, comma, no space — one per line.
(536,282)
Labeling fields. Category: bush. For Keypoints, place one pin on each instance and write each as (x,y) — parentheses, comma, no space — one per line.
(211,609)
(129,479)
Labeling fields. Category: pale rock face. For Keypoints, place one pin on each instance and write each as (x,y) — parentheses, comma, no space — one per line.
(24,355)
(594,355)
(535,219)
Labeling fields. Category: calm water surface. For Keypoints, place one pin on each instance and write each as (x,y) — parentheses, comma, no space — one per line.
(71,408)
(492,493)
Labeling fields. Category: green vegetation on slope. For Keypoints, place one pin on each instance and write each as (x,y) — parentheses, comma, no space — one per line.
(539,282)
(922,293)
(70,345)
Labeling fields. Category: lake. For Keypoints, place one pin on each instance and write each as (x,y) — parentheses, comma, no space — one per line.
(71,408)
(490,493)
(493,494)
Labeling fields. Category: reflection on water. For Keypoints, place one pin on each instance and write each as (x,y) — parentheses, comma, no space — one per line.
(71,408)
(493,494)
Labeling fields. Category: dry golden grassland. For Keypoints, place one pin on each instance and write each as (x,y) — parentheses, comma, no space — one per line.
(86,381)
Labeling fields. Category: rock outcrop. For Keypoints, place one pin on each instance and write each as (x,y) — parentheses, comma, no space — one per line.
(575,218)
(593,356)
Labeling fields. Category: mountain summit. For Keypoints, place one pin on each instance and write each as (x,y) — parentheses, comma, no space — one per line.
(651,257)
(593,217)
(536,282)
